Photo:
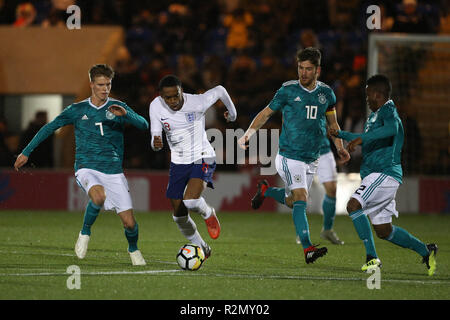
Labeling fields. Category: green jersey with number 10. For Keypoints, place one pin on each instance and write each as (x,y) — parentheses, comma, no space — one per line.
(304,119)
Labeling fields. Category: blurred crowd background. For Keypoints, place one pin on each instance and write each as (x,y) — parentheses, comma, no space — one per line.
(248,46)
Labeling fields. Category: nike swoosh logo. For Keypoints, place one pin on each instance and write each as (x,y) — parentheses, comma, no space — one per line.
(164,119)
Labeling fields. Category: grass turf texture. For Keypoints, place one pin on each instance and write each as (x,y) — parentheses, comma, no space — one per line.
(254,258)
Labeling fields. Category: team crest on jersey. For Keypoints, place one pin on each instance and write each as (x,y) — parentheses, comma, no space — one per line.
(110,115)
(322,98)
(297,178)
(190,117)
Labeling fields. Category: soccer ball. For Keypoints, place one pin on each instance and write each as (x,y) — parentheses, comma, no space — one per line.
(190,257)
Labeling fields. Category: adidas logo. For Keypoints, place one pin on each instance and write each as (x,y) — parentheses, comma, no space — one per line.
(297,99)
(85,117)
(310,254)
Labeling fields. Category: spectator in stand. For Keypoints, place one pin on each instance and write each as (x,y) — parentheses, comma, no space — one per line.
(25,15)
(42,157)
(238,24)
(188,73)
(410,20)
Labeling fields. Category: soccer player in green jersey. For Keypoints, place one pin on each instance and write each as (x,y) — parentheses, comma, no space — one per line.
(381,174)
(307,106)
(99,123)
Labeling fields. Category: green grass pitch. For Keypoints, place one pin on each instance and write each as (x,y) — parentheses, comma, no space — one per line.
(255,258)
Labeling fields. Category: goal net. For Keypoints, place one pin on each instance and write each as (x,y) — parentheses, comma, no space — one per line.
(419,69)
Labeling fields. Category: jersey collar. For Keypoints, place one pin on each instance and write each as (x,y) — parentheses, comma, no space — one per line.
(98,108)
(310,91)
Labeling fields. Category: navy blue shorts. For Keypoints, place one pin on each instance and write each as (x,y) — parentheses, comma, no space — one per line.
(179,175)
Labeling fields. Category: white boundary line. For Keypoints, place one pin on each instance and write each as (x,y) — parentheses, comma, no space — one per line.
(99,273)
(248,276)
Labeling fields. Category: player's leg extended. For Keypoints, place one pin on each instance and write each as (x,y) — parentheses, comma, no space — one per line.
(131,230)
(299,197)
(362,227)
(187,226)
(404,239)
(193,201)
(97,198)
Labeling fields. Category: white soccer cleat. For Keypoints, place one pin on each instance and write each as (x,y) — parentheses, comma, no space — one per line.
(82,245)
(137,259)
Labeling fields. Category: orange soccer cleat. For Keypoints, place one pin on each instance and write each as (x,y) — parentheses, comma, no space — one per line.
(213,225)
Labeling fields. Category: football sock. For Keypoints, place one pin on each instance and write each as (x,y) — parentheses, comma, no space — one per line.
(329,212)
(189,230)
(276,193)
(132,236)
(90,214)
(199,205)
(301,223)
(362,227)
(403,238)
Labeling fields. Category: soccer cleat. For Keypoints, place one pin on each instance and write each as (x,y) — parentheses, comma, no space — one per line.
(430,259)
(136,258)
(206,250)
(331,236)
(213,225)
(312,253)
(371,265)
(297,240)
(82,245)
(258,199)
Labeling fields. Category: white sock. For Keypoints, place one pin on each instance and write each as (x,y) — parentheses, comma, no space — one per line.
(188,229)
(199,205)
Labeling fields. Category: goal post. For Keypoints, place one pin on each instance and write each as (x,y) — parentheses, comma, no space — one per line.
(419,69)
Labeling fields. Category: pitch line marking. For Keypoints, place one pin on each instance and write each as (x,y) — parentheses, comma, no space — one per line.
(184,273)
(93,273)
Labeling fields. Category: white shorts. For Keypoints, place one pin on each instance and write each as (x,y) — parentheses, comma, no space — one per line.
(377,197)
(116,188)
(326,170)
(295,174)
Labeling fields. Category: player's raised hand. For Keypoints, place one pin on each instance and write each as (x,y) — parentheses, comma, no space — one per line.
(352,144)
(157,142)
(117,110)
(20,161)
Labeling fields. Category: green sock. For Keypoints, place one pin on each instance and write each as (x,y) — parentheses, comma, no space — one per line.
(301,223)
(277,193)
(403,238)
(329,212)
(362,226)
(90,214)
(132,236)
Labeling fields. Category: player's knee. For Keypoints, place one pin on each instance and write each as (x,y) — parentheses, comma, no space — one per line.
(192,204)
(353,205)
(299,195)
(97,195)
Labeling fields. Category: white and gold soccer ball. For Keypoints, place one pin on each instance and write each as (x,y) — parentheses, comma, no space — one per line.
(190,257)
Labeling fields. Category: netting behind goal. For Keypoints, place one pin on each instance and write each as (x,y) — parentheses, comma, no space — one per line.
(419,68)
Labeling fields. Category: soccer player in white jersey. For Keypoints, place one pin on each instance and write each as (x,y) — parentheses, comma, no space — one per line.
(182,117)
(99,122)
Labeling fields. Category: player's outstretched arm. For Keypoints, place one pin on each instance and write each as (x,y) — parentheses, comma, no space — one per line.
(20,161)
(129,115)
(260,119)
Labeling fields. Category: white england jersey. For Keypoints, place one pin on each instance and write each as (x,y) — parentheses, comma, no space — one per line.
(185,128)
